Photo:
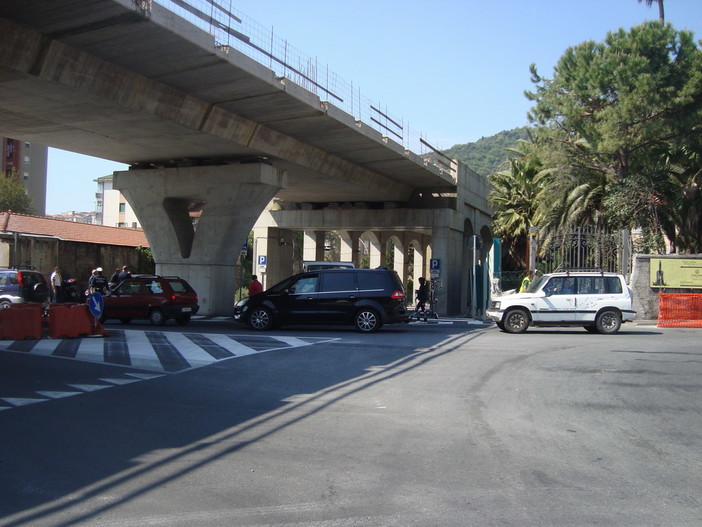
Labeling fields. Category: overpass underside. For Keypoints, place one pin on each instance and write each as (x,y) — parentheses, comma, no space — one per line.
(210,130)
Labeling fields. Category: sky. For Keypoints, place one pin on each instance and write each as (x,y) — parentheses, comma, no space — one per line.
(455,70)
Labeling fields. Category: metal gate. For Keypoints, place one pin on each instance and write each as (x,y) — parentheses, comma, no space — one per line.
(587,248)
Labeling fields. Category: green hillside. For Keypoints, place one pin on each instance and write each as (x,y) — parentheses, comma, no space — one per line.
(486,154)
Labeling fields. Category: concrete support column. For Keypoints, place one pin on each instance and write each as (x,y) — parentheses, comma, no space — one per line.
(374,251)
(383,246)
(349,247)
(313,248)
(309,246)
(229,199)
(447,246)
(418,262)
(276,244)
(399,260)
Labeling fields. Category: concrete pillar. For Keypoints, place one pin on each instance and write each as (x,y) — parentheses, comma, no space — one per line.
(447,246)
(399,263)
(349,247)
(309,246)
(383,246)
(230,197)
(278,246)
(313,248)
(375,250)
(418,261)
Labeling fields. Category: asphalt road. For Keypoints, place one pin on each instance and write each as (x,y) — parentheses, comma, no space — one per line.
(420,425)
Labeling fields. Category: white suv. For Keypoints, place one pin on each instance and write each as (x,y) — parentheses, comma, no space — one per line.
(598,301)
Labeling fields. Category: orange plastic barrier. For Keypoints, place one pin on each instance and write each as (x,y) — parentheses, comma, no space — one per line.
(71,321)
(680,310)
(21,321)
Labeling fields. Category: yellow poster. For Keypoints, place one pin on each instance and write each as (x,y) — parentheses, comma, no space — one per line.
(676,272)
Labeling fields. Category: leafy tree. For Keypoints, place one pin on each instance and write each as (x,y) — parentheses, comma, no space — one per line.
(613,114)
(12,194)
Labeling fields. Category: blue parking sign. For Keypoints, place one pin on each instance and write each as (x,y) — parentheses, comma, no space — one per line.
(434,264)
(262,260)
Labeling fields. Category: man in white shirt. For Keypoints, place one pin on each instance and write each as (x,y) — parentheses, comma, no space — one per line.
(56,282)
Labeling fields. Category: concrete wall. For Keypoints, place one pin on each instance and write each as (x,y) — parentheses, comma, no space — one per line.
(645,296)
(77,260)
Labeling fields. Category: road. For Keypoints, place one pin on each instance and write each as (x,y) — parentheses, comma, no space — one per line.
(423,425)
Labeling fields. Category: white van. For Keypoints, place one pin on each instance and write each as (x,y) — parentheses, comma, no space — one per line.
(316,266)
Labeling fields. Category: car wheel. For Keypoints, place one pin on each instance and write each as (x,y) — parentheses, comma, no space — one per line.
(156,317)
(608,321)
(516,321)
(125,320)
(500,325)
(4,304)
(591,329)
(182,320)
(261,319)
(367,321)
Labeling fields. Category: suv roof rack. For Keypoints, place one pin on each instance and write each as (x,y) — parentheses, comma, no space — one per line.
(568,270)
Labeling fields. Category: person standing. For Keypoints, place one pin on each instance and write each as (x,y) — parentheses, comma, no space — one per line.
(97,282)
(123,275)
(255,287)
(56,285)
(422,294)
(526,282)
(114,279)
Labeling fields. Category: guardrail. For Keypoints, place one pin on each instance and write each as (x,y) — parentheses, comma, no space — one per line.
(233,29)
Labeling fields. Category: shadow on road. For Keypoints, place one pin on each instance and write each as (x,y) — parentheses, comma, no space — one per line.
(100,451)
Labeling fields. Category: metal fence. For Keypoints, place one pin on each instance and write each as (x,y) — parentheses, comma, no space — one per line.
(232,29)
(588,248)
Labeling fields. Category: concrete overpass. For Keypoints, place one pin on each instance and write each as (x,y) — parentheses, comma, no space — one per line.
(204,127)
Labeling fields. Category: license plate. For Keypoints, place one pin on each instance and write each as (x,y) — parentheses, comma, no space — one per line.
(186,310)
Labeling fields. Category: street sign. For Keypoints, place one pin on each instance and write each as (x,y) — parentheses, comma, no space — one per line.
(96,304)
(475,242)
(262,260)
(434,268)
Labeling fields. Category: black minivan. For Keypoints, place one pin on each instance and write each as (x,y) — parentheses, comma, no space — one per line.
(365,298)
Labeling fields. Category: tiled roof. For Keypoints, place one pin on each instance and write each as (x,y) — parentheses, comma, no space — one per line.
(71,231)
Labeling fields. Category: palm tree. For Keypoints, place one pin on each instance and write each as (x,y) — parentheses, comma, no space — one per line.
(661,12)
(516,196)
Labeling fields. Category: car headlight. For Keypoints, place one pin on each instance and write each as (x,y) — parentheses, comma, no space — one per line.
(495,304)
(242,302)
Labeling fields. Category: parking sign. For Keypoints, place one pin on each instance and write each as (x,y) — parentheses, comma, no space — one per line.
(434,268)
(262,260)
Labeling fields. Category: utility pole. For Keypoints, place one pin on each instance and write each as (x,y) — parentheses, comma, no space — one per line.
(533,246)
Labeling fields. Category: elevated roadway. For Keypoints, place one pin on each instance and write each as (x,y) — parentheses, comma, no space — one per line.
(203,127)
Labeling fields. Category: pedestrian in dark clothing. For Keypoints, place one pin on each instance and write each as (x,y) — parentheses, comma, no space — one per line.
(123,275)
(97,282)
(422,294)
(114,279)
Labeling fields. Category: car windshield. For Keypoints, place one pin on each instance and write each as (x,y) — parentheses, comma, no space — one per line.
(536,284)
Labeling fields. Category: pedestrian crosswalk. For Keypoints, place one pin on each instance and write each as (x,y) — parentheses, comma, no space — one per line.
(159,351)
(142,355)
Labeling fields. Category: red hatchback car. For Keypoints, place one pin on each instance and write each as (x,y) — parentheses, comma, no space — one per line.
(156,298)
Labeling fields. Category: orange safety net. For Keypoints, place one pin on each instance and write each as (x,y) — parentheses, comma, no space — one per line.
(680,310)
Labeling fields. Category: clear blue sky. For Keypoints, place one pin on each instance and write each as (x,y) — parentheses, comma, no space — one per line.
(455,70)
